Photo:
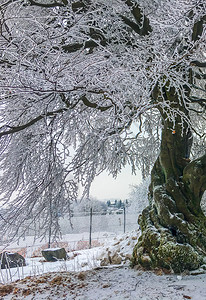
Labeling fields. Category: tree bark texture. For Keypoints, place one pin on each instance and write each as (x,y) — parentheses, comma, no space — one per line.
(173,225)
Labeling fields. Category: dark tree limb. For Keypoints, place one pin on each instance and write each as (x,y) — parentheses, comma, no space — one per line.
(14,129)
(142,25)
(199,64)
(87,44)
(198,88)
(200,76)
(86,102)
(80,5)
(47,5)
(197,30)
(197,100)
(131,24)
(77,6)
(6,3)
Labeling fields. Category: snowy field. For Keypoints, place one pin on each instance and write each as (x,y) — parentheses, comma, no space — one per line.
(83,277)
(79,258)
(113,223)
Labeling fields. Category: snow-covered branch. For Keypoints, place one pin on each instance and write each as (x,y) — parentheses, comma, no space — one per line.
(84,85)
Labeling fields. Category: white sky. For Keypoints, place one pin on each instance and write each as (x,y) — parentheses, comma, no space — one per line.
(106,187)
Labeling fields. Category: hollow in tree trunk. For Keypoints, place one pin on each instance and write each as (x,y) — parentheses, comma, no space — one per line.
(173,225)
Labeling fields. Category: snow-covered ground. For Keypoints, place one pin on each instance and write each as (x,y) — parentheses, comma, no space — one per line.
(114,249)
(98,273)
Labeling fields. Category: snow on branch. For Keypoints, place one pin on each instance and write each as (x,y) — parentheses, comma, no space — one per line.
(84,87)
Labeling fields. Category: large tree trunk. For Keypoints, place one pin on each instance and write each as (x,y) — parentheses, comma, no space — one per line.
(173,225)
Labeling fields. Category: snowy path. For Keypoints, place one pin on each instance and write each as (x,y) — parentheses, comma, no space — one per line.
(116,283)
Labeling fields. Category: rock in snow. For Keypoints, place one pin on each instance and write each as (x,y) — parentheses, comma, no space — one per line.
(11,260)
(54,254)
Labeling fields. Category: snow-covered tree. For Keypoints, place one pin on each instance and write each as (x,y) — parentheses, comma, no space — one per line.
(74,78)
(84,206)
(138,197)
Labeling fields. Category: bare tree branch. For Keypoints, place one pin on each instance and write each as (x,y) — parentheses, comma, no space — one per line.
(142,25)
(198,29)
(197,63)
(48,5)
(14,129)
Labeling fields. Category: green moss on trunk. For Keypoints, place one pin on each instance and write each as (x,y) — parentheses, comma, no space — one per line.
(173,225)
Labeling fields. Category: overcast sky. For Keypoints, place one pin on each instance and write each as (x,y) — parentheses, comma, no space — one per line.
(106,187)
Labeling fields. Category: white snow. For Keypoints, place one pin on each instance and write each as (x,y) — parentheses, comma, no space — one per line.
(82,278)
